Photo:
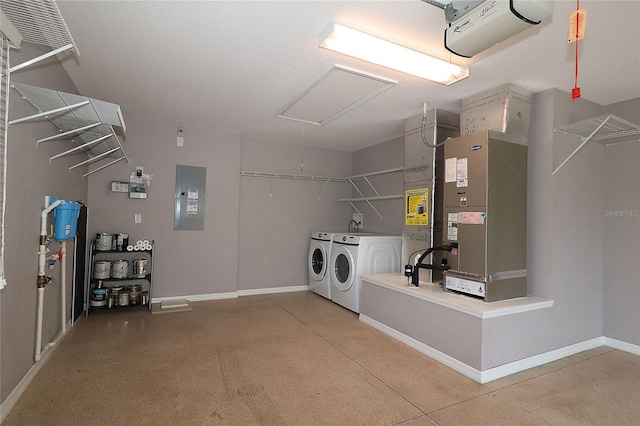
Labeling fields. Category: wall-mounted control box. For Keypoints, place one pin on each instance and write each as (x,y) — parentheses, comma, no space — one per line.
(117,186)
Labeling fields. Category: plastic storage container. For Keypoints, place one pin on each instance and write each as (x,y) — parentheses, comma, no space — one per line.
(65,220)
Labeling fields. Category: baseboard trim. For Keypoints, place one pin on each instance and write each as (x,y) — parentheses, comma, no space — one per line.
(486,376)
(13,397)
(233,294)
(623,346)
(198,297)
(272,290)
(537,360)
(445,359)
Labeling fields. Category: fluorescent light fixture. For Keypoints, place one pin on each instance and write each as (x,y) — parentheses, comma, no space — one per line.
(372,49)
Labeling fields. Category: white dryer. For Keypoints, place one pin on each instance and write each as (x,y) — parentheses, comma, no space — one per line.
(319,256)
(353,255)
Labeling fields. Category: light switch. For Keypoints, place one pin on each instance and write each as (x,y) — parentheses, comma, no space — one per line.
(138,218)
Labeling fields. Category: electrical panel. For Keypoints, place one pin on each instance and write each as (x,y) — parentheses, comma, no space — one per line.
(485,213)
(190,198)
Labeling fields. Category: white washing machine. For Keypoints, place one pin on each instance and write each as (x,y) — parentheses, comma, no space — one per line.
(319,256)
(353,255)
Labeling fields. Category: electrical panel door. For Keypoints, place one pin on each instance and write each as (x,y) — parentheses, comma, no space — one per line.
(190,198)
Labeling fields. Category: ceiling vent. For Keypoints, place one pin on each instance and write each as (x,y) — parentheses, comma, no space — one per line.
(337,92)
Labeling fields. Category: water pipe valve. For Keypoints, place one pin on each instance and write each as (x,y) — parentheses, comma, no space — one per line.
(408,272)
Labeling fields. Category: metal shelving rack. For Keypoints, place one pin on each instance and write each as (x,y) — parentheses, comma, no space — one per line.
(111,255)
(606,129)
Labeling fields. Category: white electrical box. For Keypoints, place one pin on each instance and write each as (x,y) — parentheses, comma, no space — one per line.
(139,184)
(117,186)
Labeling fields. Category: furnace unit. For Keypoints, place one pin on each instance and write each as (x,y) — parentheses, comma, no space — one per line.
(485,213)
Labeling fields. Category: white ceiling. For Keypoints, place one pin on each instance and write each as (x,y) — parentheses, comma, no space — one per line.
(232,65)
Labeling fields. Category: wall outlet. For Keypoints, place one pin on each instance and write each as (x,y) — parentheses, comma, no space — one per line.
(358,217)
(137,218)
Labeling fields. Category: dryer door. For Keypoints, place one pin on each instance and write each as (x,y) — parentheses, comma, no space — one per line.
(343,268)
(318,261)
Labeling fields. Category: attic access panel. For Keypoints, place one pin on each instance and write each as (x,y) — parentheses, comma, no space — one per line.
(335,93)
(87,122)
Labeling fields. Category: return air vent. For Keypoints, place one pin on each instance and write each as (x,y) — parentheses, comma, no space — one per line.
(337,92)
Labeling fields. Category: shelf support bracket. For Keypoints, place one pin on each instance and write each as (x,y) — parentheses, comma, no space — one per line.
(53,111)
(93,142)
(372,187)
(354,207)
(362,195)
(40,58)
(105,166)
(323,187)
(97,157)
(70,132)
(584,142)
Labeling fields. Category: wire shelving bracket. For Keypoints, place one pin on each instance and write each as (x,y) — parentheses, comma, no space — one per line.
(606,129)
(348,179)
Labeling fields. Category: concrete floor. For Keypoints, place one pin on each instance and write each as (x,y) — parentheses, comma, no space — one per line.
(299,359)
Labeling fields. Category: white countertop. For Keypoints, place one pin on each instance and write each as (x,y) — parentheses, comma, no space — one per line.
(435,294)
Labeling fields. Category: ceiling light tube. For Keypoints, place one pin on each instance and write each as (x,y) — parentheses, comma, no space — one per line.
(372,49)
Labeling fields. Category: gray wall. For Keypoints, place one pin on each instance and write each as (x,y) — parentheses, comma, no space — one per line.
(586,262)
(386,155)
(185,262)
(278,215)
(564,239)
(621,233)
(30,178)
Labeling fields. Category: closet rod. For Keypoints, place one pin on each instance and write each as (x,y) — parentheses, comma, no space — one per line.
(293,176)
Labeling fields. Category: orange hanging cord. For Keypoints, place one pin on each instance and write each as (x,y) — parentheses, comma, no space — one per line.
(575,92)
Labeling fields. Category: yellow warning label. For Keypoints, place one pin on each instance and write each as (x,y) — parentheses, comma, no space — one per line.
(417,207)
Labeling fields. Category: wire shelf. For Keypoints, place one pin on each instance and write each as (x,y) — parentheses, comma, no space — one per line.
(87,122)
(39,22)
(605,129)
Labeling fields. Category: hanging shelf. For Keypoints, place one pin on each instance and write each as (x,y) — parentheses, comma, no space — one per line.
(38,22)
(606,129)
(377,197)
(348,179)
(87,122)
